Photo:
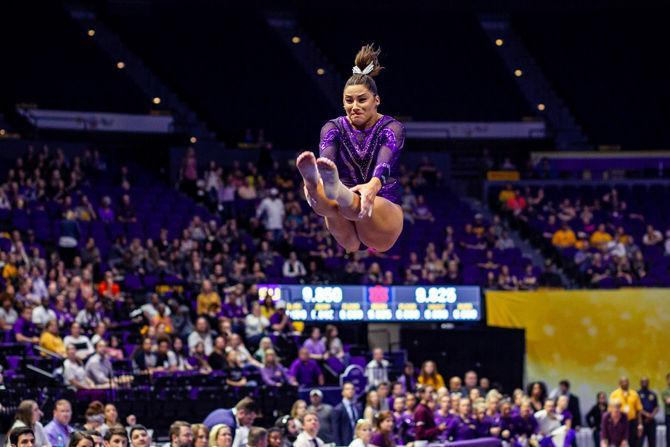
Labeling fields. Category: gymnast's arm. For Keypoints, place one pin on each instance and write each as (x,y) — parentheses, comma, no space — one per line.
(329,141)
(392,142)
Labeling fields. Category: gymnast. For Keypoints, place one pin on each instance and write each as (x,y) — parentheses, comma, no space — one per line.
(351,184)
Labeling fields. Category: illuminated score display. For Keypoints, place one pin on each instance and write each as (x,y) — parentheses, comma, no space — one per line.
(376,303)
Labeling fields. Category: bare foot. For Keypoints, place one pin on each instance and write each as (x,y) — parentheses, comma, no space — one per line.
(306,164)
(330,177)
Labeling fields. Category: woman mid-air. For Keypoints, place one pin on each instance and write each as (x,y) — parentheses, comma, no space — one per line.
(350,185)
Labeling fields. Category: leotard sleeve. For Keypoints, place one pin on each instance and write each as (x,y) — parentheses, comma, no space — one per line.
(391,143)
(329,141)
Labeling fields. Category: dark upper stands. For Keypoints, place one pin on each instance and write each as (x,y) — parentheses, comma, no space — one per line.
(607,66)
(54,64)
(226,63)
(440,64)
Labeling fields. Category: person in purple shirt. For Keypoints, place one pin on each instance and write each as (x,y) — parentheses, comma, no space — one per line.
(315,345)
(305,370)
(408,378)
(24,329)
(443,415)
(525,424)
(383,436)
(398,419)
(280,321)
(58,431)
(463,427)
(358,154)
(506,421)
(273,373)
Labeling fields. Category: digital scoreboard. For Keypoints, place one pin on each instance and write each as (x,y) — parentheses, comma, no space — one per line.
(376,303)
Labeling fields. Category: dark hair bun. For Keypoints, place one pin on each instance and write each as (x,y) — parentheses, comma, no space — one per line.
(367,55)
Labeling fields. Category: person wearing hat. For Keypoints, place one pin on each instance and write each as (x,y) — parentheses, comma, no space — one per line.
(271,211)
(324,412)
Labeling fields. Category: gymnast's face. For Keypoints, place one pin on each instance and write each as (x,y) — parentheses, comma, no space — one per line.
(360,104)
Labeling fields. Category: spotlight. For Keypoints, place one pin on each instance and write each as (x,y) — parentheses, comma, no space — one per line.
(156,100)
(499,42)
(320,71)
(541,107)
(296,39)
(518,73)
(193,140)
(91,32)
(120,65)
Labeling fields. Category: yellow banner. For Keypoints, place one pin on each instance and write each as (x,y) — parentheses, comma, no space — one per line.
(591,337)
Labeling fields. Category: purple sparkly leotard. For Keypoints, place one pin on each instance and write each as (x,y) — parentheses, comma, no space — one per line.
(362,154)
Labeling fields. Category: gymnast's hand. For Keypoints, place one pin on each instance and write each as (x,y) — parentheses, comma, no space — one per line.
(368,192)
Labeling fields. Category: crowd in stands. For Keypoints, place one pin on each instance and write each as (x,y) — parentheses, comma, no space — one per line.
(607,237)
(412,408)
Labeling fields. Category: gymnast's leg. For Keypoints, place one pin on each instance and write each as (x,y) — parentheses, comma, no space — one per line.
(343,230)
(380,230)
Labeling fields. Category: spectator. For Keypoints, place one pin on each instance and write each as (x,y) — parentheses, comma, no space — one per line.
(600,237)
(376,370)
(181,434)
(74,373)
(98,367)
(108,288)
(316,345)
(630,401)
(507,281)
(139,436)
(275,437)
(271,211)
(42,314)
(144,359)
(258,437)
(217,359)
(116,436)
(595,416)
(614,426)
(324,412)
(28,414)
(220,436)
(564,237)
(8,314)
(537,392)
(649,401)
(273,373)
(429,376)
(51,341)
(310,428)
(240,420)
(58,431)
(334,346)
(407,379)
(504,242)
(344,416)
(201,334)
(573,402)
(426,429)
(362,434)
(372,406)
(421,211)
(166,359)
(25,330)
(255,324)
(81,342)
(652,237)
(305,370)
(293,267)
(234,374)
(207,298)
